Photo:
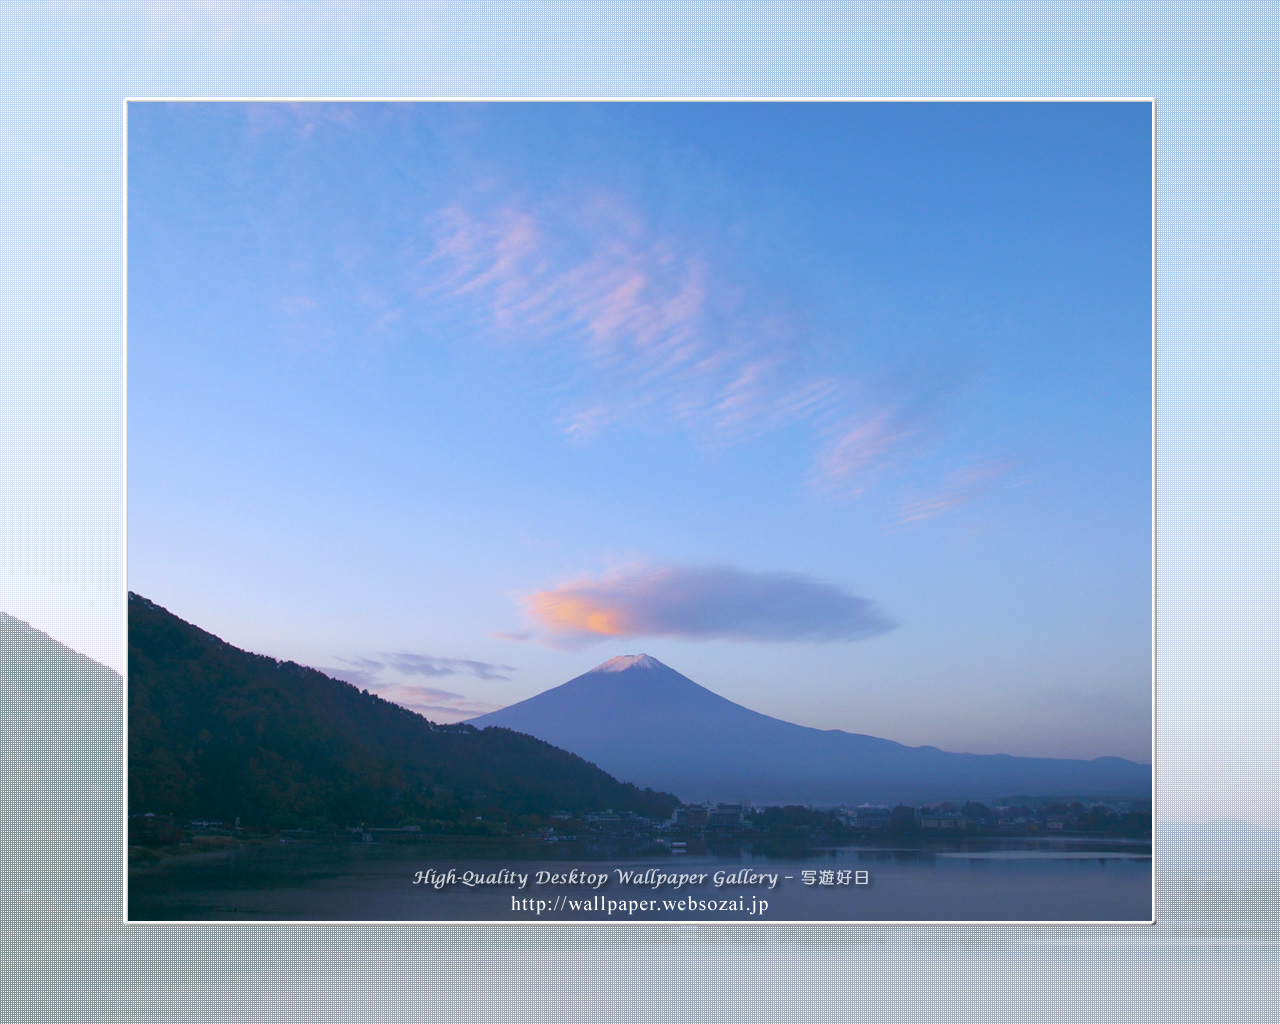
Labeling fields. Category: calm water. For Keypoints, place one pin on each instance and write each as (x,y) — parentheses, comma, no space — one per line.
(1000,880)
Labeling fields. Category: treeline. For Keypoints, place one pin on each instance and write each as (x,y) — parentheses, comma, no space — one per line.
(795,821)
(217,732)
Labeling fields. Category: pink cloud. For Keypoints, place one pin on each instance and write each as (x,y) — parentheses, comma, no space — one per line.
(695,602)
(959,488)
(660,332)
(634,303)
(435,704)
(863,449)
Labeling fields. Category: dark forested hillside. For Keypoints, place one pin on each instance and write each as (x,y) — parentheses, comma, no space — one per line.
(217,732)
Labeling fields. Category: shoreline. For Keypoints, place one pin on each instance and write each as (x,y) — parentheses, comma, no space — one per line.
(594,849)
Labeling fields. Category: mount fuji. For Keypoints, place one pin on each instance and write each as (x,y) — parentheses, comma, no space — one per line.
(645,723)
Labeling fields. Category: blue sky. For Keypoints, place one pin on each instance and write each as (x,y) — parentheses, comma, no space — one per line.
(843,410)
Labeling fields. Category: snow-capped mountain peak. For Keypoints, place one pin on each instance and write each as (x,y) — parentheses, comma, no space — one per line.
(626,661)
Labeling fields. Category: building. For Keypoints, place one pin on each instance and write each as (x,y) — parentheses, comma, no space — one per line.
(726,817)
(952,821)
(872,817)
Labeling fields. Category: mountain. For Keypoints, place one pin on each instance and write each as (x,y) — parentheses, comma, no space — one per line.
(217,732)
(60,752)
(644,722)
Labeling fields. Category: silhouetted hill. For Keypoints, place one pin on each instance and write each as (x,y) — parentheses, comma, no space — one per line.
(217,732)
(647,723)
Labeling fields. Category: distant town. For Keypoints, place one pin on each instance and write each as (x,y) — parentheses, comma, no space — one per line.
(690,828)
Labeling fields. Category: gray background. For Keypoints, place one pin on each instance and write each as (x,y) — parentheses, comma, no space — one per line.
(66,69)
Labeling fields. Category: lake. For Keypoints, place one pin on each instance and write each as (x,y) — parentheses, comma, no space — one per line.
(996,880)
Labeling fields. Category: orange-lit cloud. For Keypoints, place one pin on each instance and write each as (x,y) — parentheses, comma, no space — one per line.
(567,612)
(701,603)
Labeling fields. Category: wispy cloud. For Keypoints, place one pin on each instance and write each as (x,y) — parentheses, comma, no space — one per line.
(863,448)
(701,603)
(385,676)
(441,705)
(361,677)
(411,664)
(632,315)
(663,331)
(959,488)
(657,331)
(425,665)
(361,672)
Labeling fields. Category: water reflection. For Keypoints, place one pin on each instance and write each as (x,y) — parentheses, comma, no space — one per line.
(962,881)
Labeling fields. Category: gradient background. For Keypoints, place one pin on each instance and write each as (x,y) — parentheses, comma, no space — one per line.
(66,71)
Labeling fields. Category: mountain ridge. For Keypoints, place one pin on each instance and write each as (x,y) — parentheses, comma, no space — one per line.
(701,745)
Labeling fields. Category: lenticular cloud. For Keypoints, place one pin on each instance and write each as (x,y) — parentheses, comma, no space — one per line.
(704,603)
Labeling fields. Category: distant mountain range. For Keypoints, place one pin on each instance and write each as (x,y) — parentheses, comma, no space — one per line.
(216,732)
(644,722)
